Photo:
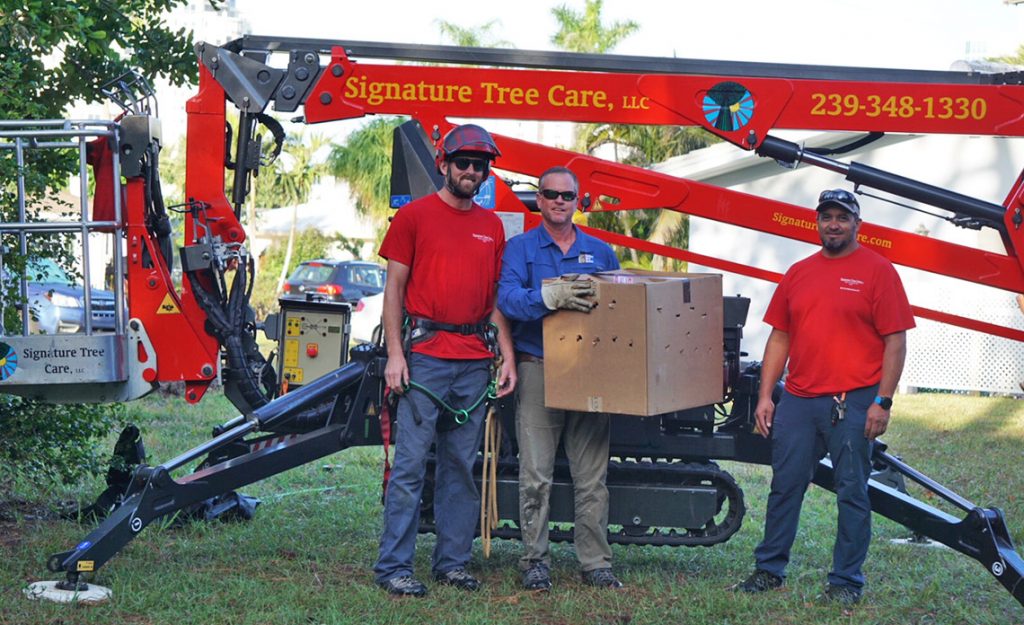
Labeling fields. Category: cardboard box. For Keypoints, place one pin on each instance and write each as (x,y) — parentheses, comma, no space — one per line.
(652,345)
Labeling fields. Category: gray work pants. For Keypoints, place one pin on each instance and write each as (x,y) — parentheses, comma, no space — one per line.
(801,434)
(456,498)
(538,430)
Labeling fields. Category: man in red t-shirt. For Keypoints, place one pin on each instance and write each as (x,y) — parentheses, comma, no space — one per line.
(444,258)
(840,318)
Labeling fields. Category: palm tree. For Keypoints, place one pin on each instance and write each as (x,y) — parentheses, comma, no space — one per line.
(295,173)
(644,145)
(474,36)
(584,32)
(1013,59)
(365,162)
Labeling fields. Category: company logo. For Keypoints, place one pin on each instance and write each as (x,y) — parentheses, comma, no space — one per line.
(728,106)
(483,238)
(850,284)
(8,361)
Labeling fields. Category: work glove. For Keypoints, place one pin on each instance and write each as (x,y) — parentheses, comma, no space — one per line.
(568,293)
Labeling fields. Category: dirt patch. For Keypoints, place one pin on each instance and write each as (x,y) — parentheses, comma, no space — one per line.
(14,509)
(11,535)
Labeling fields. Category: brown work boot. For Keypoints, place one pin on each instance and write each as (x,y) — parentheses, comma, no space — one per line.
(460,578)
(759,581)
(404,586)
(537,577)
(602,578)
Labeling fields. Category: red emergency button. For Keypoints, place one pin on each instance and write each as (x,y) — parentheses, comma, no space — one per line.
(312,350)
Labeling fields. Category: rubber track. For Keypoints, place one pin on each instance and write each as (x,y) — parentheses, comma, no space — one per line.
(648,473)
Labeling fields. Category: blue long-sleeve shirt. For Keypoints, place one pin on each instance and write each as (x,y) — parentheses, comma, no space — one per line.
(529,259)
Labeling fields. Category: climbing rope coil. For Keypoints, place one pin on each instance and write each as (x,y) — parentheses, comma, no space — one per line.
(489,479)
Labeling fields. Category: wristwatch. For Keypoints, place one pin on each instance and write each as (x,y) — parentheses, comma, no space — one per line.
(884,402)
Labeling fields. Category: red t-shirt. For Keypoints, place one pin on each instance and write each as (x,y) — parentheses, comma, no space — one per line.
(454,258)
(836,311)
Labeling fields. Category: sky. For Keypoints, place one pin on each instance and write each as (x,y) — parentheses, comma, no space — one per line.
(908,34)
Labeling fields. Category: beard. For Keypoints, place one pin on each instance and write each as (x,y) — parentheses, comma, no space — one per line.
(458,186)
(836,245)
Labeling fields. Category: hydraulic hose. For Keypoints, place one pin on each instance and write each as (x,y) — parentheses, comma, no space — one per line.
(248,378)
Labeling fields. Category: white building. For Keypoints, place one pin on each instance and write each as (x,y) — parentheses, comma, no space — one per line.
(940,356)
(330,210)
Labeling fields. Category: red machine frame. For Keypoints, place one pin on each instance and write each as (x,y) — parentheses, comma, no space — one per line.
(921,102)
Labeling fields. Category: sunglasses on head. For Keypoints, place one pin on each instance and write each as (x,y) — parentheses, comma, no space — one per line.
(551,194)
(837,195)
(464,163)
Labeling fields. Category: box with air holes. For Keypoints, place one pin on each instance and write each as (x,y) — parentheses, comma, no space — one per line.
(652,345)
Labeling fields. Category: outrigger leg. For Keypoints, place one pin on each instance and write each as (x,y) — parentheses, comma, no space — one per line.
(981,534)
(355,388)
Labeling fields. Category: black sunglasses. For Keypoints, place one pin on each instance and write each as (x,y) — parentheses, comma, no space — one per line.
(837,195)
(551,194)
(464,164)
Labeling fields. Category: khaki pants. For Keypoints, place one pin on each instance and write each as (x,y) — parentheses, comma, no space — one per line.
(538,430)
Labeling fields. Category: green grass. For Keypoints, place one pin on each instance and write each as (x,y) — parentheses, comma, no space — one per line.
(306,557)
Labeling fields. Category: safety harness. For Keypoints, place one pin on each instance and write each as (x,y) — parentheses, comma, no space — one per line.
(416,330)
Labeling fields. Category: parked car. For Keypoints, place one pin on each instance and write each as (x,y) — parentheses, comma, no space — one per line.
(366,317)
(335,281)
(56,301)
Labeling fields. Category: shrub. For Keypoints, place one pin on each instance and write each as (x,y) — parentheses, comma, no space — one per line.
(53,442)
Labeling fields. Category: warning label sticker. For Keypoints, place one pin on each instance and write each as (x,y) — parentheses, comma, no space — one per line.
(168,306)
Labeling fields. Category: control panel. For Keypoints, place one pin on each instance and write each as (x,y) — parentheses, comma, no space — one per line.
(313,339)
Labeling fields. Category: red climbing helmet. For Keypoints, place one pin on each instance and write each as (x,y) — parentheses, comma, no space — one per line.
(467,138)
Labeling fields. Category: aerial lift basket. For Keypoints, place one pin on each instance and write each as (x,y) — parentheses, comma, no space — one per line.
(101,356)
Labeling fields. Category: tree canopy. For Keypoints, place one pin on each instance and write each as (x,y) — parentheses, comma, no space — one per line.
(365,162)
(1013,59)
(634,144)
(481,36)
(584,32)
(57,53)
(53,55)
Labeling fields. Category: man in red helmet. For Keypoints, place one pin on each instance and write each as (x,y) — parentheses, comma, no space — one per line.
(444,258)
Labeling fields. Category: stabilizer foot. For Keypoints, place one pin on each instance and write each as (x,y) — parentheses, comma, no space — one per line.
(918,540)
(83,593)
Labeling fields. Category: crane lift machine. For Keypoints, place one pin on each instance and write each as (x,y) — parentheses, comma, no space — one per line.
(205,330)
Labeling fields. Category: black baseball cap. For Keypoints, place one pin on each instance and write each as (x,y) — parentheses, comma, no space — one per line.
(839,198)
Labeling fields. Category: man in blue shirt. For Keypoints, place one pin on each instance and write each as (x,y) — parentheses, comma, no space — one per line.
(554,249)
